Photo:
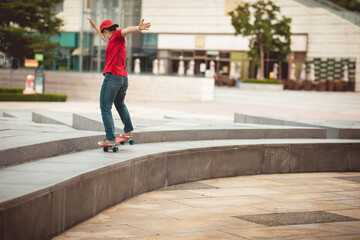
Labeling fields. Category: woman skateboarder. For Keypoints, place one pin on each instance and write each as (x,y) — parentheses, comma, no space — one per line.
(115,83)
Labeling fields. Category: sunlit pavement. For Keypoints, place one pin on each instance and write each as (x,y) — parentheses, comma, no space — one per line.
(285,206)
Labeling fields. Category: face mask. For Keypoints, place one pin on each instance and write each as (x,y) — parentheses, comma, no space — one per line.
(106,40)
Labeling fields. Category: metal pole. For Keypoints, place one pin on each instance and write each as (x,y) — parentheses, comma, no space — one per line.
(100,41)
(130,37)
(11,61)
(81,37)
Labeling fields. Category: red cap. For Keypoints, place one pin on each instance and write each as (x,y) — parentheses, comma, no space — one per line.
(107,23)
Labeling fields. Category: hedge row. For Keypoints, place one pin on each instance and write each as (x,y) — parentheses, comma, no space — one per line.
(11,90)
(46,97)
(16,94)
(262,81)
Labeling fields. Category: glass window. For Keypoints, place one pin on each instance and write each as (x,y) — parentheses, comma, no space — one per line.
(174,66)
(68,39)
(198,67)
(188,54)
(224,55)
(163,53)
(146,57)
(238,55)
(200,53)
(212,53)
(149,39)
(175,53)
(224,68)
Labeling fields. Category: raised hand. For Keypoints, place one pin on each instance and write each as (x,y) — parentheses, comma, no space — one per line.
(92,23)
(144,26)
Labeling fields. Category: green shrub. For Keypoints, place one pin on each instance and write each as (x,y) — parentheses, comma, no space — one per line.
(46,97)
(262,81)
(11,90)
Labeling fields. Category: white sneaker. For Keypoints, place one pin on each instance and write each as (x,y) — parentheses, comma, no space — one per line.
(107,142)
(127,135)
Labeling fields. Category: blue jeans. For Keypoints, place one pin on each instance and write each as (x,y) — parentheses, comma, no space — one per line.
(113,90)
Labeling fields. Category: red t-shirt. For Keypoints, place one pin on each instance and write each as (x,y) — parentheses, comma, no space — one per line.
(116,55)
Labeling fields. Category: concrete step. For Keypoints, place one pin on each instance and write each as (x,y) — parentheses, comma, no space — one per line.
(335,128)
(172,129)
(92,122)
(62,191)
(24,115)
(25,142)
(53,118)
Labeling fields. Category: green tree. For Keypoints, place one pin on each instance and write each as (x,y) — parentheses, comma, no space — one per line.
(26,28)
(259,21)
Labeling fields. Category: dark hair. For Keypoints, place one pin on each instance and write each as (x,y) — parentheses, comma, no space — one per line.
(111,29)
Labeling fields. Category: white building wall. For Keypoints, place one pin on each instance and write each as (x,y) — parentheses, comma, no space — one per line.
(72,16)
(187,16)
(211,42)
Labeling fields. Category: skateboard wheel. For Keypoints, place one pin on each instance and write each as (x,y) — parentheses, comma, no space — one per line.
(132,142)
(106,149)
(122,143)
(115,149)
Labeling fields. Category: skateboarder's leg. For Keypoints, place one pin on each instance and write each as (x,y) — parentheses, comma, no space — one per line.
(121,107)
(108,93)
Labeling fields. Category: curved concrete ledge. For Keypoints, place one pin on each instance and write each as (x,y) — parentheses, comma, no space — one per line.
(51,210)
(26,153)
(62,139)
(54,118)
(235,133)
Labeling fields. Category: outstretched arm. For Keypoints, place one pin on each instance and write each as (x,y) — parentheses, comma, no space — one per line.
(92,23)
(142,26)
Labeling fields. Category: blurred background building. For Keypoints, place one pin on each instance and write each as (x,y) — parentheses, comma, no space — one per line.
(201,31)
(81,49)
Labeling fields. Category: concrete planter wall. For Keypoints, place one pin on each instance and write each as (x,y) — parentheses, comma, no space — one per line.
(256,86)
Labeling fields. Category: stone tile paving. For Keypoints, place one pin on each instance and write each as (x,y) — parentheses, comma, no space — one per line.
(290,206)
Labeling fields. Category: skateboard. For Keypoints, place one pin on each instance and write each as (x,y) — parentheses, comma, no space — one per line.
(119,140)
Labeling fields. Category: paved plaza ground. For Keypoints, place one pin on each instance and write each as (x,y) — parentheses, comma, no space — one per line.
(288,206)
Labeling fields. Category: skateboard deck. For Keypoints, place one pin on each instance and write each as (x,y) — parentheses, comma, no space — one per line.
(119,140)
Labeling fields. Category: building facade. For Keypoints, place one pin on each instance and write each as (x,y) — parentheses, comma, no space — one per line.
(201,32)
